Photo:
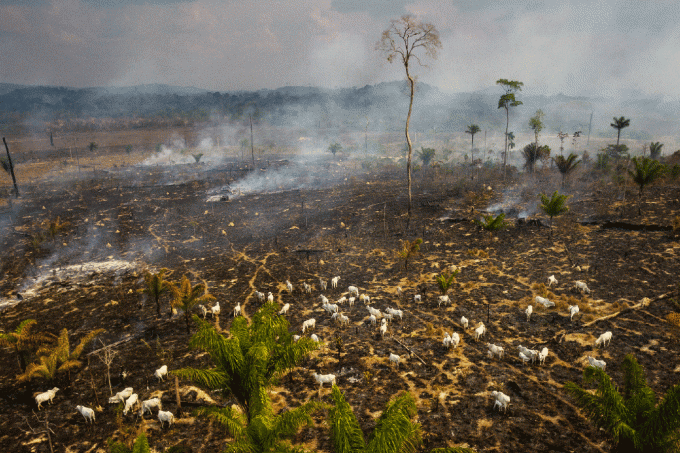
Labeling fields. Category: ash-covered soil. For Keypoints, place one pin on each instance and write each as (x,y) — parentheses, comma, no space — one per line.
(351,219)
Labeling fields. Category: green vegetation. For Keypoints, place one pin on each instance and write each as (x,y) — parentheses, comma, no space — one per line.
(197,157)
(631,416)
(334,148)
(472,129)
(532,155)
(506,101)
(24,340)
(128,149)
(493,223)
(57,358)
(246,365)
(445,280)
(619,124)
(554,206)
(426,155)
(536,124)
(616,151)
(566,166)
(646,171)
(141,445)
(394,430)
(186,297)
(92,147)
(602,162)
(409,249)
(155,287)
(655,150)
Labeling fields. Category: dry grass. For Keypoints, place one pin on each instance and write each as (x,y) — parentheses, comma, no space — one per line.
(673,318)
(478,253)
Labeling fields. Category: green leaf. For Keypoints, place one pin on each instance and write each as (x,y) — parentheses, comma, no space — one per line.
(345,430)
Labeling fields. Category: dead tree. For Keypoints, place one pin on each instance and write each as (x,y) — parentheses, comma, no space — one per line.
(106,355)
(11,169)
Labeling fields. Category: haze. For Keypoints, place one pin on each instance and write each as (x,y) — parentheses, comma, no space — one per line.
(607,48)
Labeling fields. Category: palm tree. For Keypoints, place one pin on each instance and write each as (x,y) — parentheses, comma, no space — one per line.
(632,418)
(532,155)
(646,171)
(554,206)
(24,340)
(156,286)
(618,124)
(394,430)
(426,155)
(566,166)
(655,150)
(506,101)
(246,365)
(58,358)
(252,357)
(187,297)
(445,280)
(141,445)
(493,223)
(472,130)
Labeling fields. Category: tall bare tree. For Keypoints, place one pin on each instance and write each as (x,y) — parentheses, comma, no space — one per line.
(401,40)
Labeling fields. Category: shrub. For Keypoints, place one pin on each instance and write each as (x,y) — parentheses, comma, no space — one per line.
(491,223)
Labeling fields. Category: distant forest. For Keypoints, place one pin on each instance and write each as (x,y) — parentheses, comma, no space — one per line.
(374,107)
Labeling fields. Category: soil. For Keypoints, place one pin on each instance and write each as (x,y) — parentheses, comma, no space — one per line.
(343,220)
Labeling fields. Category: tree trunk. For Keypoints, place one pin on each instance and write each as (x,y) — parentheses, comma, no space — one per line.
(410,145)
(11,166)
(507,125)
(618,136)
(158,307)
(252,146)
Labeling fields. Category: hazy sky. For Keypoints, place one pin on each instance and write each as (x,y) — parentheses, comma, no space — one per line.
(585,47)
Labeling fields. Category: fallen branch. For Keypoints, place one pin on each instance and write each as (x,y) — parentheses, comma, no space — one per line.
(644,303)
(409,350)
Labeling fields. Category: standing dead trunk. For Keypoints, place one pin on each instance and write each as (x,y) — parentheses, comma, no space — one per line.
(410,145)
(14,179)
(252,146)
(507,126)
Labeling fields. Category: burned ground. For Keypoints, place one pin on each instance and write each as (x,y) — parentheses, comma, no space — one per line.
(354,216)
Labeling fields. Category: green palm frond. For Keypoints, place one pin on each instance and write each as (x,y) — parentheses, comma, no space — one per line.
(638,396)
(141,444)
(155,287)
(394,430)
(493,223)
(345,430)
(289,423)
(46,368)
(234,421)
(87,339)
(446,279)
(606,407)
(646,171)
(212,379)
(664,420)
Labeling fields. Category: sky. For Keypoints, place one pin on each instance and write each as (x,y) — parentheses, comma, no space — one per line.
(579,48)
